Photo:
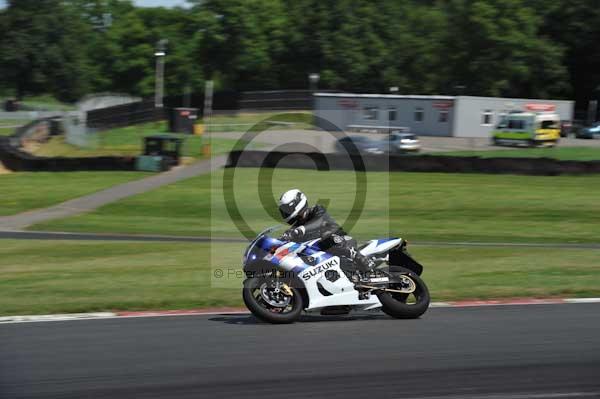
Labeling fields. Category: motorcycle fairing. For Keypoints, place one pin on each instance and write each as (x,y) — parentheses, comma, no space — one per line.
(291,256)
(373,247)
(323,292)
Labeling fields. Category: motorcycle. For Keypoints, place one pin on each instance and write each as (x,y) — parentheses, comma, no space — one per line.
(284,278)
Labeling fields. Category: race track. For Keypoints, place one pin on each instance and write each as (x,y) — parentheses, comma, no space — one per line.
(536,351)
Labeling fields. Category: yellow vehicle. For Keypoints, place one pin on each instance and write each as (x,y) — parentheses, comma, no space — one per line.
(527,128)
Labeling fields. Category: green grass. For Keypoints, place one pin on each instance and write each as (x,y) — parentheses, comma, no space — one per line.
(416,206)
(25,191)
(46,102)
(241,122)
(38,277)
(6,131)
(561,153)
(128,141)
(7,126)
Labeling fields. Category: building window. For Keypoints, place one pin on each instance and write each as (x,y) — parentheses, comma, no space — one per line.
(370,113)
(392,114)
(419,114)
(486,117)
(443,116)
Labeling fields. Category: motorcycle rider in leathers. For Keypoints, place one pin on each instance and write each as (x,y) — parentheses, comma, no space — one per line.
(309,223)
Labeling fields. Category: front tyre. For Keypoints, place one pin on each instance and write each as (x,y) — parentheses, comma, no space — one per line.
(267,303)
(406,306)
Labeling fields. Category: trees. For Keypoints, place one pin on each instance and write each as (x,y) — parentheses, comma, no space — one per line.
(353,47)
(415,35)
(241,41)
(42,50)
(576,26)
(520,48)
(494,48)
(123,54)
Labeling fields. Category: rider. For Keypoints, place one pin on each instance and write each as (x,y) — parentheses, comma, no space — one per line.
(309,223)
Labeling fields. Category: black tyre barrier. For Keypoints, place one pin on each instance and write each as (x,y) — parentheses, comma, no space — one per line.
(414,163)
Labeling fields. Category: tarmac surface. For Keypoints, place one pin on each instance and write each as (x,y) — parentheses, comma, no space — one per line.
(316,140)
(536,351)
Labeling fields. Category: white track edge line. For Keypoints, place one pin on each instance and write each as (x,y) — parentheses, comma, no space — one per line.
(582,300)
(111,315)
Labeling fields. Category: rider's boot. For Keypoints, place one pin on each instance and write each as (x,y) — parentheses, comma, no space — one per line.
(365,266)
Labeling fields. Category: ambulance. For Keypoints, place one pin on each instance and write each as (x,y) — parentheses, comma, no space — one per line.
(538,125)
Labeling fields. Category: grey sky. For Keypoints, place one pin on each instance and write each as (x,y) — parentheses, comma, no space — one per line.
(141,3)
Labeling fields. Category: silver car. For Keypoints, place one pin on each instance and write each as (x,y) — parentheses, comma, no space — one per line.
(404,142)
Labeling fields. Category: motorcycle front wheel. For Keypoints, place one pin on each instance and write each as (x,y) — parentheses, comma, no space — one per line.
(406,306)
(268,304)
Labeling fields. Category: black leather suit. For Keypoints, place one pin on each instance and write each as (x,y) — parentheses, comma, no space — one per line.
(315,223)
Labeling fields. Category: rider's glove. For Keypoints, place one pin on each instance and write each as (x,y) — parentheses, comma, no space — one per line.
(293,234)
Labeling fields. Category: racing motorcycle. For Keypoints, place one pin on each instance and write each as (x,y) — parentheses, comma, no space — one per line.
(284,278)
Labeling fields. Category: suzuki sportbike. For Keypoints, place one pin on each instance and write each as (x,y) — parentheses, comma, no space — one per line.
(285,278)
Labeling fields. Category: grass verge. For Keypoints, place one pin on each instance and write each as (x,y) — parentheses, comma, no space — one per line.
(25,191)
(46,102)
(38,277)
(128,141)
(560,153)
(241,122)
(9,126)
(416,206)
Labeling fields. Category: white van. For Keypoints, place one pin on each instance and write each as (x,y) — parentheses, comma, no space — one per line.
(528,128)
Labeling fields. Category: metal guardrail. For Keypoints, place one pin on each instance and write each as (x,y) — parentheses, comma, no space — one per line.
(124,115)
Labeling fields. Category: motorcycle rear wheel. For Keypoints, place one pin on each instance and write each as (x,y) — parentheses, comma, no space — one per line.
(406,306)
(262,310)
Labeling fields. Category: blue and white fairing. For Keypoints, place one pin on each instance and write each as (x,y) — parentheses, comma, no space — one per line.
(375,247)
(319,272)
(287,255)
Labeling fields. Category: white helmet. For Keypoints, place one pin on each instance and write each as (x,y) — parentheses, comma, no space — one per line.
(291,204)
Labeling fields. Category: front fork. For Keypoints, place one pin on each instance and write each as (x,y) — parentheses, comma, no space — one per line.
(281,285)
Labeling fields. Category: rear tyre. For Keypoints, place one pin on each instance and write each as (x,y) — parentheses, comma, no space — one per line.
(406,306)
(254,292)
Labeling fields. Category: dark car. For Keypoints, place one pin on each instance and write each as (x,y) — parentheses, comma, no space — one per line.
(589,132)
(395,143)
(361,145)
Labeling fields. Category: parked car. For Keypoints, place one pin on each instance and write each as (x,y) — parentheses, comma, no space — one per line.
(566,128)
(589,132)
(404,142)
(394,143)
(355,145)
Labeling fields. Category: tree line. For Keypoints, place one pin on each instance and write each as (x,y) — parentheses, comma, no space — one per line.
(512,48)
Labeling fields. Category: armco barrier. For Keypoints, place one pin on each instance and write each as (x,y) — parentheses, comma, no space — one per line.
(17,160)
(124,115)
(412,163)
